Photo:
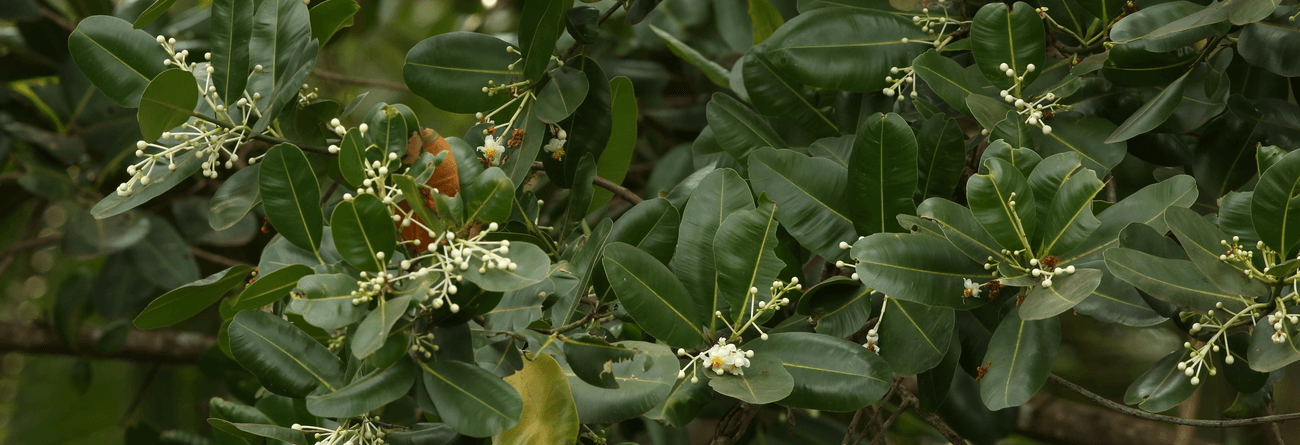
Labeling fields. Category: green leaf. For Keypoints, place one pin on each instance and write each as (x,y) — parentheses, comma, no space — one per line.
(948,79)
(586,264)
(367,393)
(424,215)
(1115,301)
(1049,175)
(643,382)
(549,416)
(1274,208)
(231,31)
(941,155)
(1069,219)
(283,358)
(1146,206)
(87,236)
(270,288)
(1067,290)
(1174,281)
(388,132)
(329,17)
(777,94)
(1163,386)
(987,110)
(119,59)
(917,268)
(1168,27)
(1083,136)
(837,149)
(838,305)
(291,196)
(856,377)
(450,70)
(561,96)
(882,173)
(651,226)
(617,155)
(1153,113)
(328,301)
(1266,355)
(152,13)
(826,48)
(1238,373)
(589,130)
(739,130)
(235,198)
(188,300)
(764,381)
(281,29)
(685,400)
(470,399)
(1021,354)
(1013,130)
(364,232)
(161,179)
(488,198)
(744,253)
(1011,35)
(961,228)
(720,194)
(716,73)
(991,195)
(1268,45)
(592,359)
(1203,243)
(255,432)
(653,297)
(373,330)
(809,198)
(531,266)
(1104,10)
(539,27)
(765,18)
(914,337)
(166,255)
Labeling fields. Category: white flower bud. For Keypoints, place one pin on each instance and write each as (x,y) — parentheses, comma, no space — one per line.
(1030,68)
(1003,67)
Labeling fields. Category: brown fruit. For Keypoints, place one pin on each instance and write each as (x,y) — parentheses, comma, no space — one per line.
(445,178)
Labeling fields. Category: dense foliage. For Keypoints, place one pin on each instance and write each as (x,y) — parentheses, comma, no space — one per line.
(884,189)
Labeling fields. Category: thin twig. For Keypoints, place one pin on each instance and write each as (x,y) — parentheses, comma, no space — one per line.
(930,418)
(224,261)
(343,78)
(1107,403)
(620,191)
(59,20)
(330,191)
(880,437)
(603,17)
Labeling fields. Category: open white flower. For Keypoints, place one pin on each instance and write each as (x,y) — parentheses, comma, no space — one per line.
(726,358)
(492,150)
(972,289)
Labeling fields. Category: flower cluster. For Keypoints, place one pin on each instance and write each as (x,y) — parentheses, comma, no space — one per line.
(721,358)
(1046,269)
(556,145)
(450,255)
(423,345)
(1279,328)
(1033,110)
(366,431)
(937,25)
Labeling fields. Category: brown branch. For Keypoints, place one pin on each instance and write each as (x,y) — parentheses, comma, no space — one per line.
(930,418)
(161,347)
(1112,405)
(343,78)
(224,261)
(620,191)
(59,20)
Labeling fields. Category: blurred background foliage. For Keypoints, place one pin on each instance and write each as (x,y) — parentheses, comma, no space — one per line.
(62,146)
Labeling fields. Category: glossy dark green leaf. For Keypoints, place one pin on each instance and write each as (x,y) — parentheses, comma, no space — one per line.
(550,416)
(948,79)
(1086,137)
(1169,26)
(933,385)
(152,13)
(119,59)
(856,378)
(561,96)
(283,358)
(991,196)
(652,226)
(776,94)
(270,287)
(583,189)
(373,330)
(541,25)
(488,199)
(744,253)
(231,31)
(1266,354)
(364,233)
(809,198)
(1163,386)
(1066,291)
(470,399)
(837,149)
(1008,34)
(235,198)
(589,129)
(1050,174)
(256,432)
(1021,352)
(328,301)
(1274,208)
(1014,131)
(831,48)
(1203,243)
(882,173)
(291,196)
(1238,373)
(388,132)
(1177,282)
(1146,206)
(914,337)
(187,301)
(281,29)
(520,307)
(838,305)
(653,296)
(1105,10)
(684,401)
(167,103)
(592,359)
(1153,113)
(450,70)
(166,255)
(960,227)
(367,393)
(739,130)
(941,155)
(1267,45)
(86,236)
(424,214)
(987,110)
(531,266)
(718,195)
(585,263)
(643,382)
(764,381)
(161,179)
(617,155)
(1069,218)
(329,17)
(716,73)
(917,268)
(1116,301)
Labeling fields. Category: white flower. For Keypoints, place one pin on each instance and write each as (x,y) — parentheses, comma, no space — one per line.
(972,288)
(492,150)
(556,147)
(726,359)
